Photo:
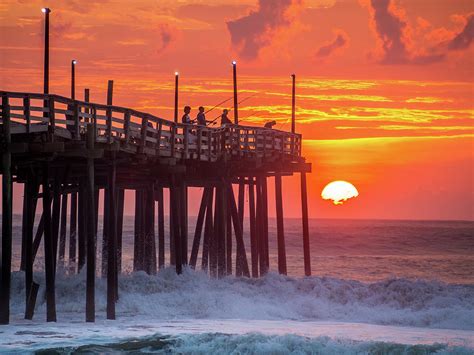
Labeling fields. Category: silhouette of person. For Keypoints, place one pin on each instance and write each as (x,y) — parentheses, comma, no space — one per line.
(186,118)
(224,119)
(270,124)
(201,117)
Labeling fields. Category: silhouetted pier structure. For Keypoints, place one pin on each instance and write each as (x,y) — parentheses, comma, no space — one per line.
(64,151)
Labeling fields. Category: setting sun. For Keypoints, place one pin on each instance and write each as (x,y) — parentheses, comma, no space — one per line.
(339,192)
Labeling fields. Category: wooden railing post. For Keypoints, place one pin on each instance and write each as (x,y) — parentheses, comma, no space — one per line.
(185,141)
(126,126)
(51,115)
(158,138)
(173,139)
(26,112)
(199,142)
(143,132)
(77,127)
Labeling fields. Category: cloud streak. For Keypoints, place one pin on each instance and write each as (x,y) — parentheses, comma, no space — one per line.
(463,39)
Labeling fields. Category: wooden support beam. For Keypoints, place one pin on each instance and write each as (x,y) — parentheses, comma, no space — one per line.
(304,214)
(199,227)
(112,244)
(253,229)
(149,237)
(73,233)
(228,241)
(138,235)
(161,228)
(120,208)
(62,232)
(214,241)
(82,237)
(171,230)
(260,228)
(221,215)
(184,222)
(242,255)
(31,288)
(175,200)
(91,229)
(48,249)
(208,231)
(7,198)
(265,221)
(105,232)
(280,228)
(56,216)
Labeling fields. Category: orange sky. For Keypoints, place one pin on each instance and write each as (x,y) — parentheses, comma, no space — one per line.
(385,88)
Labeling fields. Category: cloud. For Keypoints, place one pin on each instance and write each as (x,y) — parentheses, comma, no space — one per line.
(166,35)
(463,39)
(340,41)
(251,33)
(393,30)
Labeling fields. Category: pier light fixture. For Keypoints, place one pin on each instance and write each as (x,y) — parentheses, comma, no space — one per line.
(74,61)
(176,73)
(234,62)
(45,10)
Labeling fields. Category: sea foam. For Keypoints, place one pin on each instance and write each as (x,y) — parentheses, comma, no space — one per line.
(193,295)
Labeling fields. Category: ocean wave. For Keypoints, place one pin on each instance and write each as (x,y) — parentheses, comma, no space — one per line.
(215,343)
(193,295)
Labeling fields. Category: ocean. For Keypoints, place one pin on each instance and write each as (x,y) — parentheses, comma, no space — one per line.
(377,287)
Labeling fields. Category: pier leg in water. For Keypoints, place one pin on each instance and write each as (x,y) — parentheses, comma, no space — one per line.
(221,235)
(161,228)
(138,241)
(199,227)
(265,221)
(184,222)
(304,214)
(31,287)
(280,228)
(253,228)
(111,244)
(214,241)
(120,208)
(105,231)
(91,230)
(242,255)
(82,225)
(171,230)
(150,245)
(62,231)
(260,228)
(7,198)
(175,201)
(73,233)
(48,249)
(208,231)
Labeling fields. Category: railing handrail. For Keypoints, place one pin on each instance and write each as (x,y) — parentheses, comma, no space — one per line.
(228,138)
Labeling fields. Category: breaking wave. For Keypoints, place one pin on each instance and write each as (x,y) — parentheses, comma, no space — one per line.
(212,343)
(193,295)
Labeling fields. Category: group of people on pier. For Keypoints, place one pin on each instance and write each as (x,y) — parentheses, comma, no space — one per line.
(200,119)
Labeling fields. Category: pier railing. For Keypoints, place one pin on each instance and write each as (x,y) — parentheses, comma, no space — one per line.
(140,132)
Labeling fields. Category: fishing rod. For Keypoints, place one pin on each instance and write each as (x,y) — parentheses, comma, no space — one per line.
(220,103)
(230,108)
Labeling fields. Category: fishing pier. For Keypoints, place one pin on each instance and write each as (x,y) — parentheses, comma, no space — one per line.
(64,151)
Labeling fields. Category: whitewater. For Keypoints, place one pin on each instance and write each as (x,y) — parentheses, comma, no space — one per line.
(367,296)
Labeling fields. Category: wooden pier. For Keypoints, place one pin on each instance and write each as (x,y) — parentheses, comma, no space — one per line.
(64,151)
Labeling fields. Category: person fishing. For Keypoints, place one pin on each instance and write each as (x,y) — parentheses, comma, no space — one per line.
(186,119)
(270,124)
(224,119)
(201,117)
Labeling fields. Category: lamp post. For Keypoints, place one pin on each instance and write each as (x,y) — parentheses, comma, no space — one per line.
(293,102)
(73,79)
(176,79)
(236,112)
(46,11)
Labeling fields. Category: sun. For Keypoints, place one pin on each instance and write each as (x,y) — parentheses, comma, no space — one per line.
(339,192)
